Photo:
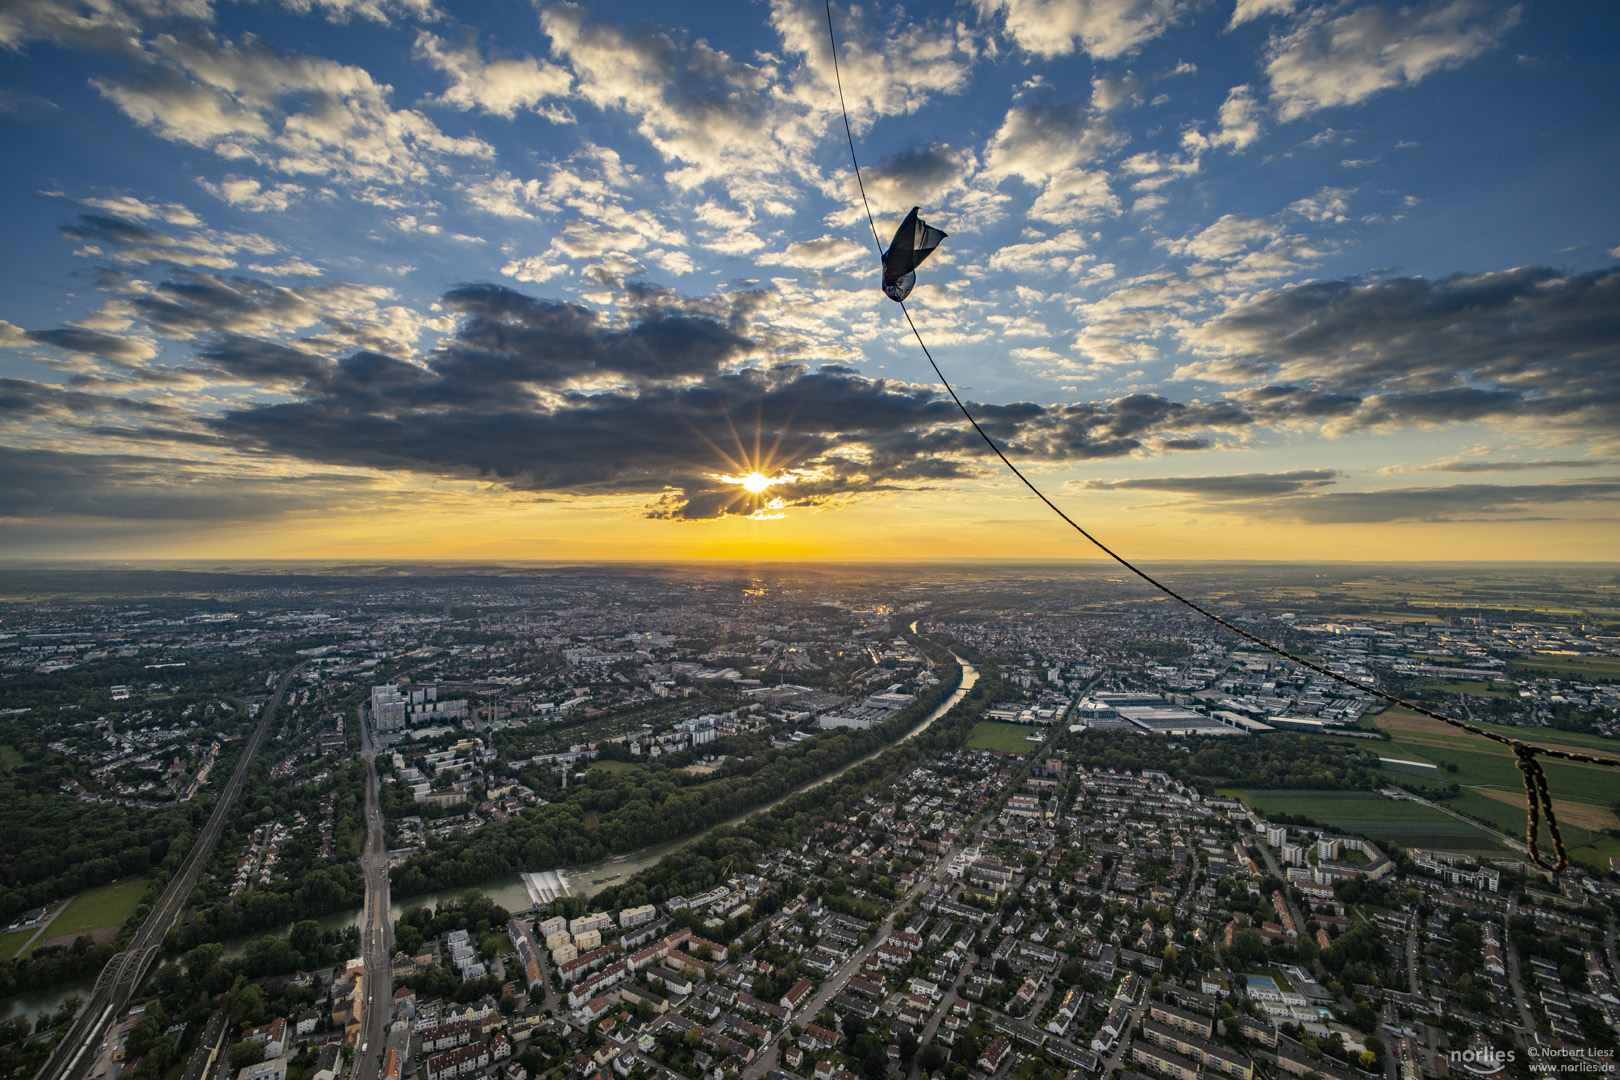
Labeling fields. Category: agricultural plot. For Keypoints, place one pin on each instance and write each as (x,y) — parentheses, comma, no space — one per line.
(1493,788)
(1404,724)
(1367,814)
(1002,738)
(1507,814)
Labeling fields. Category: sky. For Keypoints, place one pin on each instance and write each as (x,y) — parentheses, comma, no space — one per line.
(401,279)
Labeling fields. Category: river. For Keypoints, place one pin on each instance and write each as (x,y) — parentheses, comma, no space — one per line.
(510,892)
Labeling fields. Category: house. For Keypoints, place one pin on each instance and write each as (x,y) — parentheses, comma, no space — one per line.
(271,1036)
(796,994)
(995,1054)
(269,1069)
(462,1061)
(327,1063)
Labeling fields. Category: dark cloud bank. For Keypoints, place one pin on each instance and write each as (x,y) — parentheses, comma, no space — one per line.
(549,397)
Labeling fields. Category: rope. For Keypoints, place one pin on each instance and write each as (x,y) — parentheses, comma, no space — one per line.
(1538,797)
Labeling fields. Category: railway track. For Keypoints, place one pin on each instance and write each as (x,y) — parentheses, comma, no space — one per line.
(124,972)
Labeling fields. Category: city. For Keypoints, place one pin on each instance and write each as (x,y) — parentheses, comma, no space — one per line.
(701,826)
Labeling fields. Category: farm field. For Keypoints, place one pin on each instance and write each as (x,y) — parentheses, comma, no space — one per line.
(1002,738)
(1368,814)
(1400,722)
(1508,815)
(101,908)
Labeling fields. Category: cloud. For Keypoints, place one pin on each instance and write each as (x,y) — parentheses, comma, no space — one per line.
(1531,347)
(885,71)
(127,206)
(1048,144)
(24,401)
(1509,466)
(105,25)
(1105,29)
(378,11)
(1240,126)
(1249,10)
(1330,206)
(1229,236)
(711,116)
(119,350)
(297,114)
(1331,59)
(546,396)
(246,193)
(501,87)
(1038,140)
(1301,496)
(922,176)
(1051,255)
(822,253)
(1234,486)
(40,483)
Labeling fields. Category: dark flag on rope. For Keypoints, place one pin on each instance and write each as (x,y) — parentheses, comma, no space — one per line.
(913,242)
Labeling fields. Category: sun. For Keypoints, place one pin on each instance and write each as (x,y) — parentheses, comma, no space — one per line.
(756,472)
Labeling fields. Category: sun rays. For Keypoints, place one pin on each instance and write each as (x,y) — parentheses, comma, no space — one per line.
(755,472)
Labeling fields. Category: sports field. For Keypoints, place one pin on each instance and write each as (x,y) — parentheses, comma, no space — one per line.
(1366,813)
(1002,738)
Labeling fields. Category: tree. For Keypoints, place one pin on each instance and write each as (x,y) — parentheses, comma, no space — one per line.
(306,938)
(245,1053)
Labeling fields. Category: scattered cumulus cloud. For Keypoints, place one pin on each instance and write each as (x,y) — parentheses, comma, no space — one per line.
(1104,29)
(501,87)
(1334,57)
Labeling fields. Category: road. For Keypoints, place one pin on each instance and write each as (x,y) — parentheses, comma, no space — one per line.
(123,973)
(1276,872)
(1412,954)
(377,931)
(1526,1021)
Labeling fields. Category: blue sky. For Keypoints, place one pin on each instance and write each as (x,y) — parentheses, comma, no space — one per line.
(1269,278)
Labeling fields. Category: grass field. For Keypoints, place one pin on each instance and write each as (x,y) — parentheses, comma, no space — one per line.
(1401,721)
(10,757)
(10,943)
(98,908)
(1493,788)
(1577,667)
(1585,846)
(1363,812)
(1482,763)
(1002,738)
(612,766)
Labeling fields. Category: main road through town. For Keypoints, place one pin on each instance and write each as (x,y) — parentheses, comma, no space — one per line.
(73,1055)
(376,929)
